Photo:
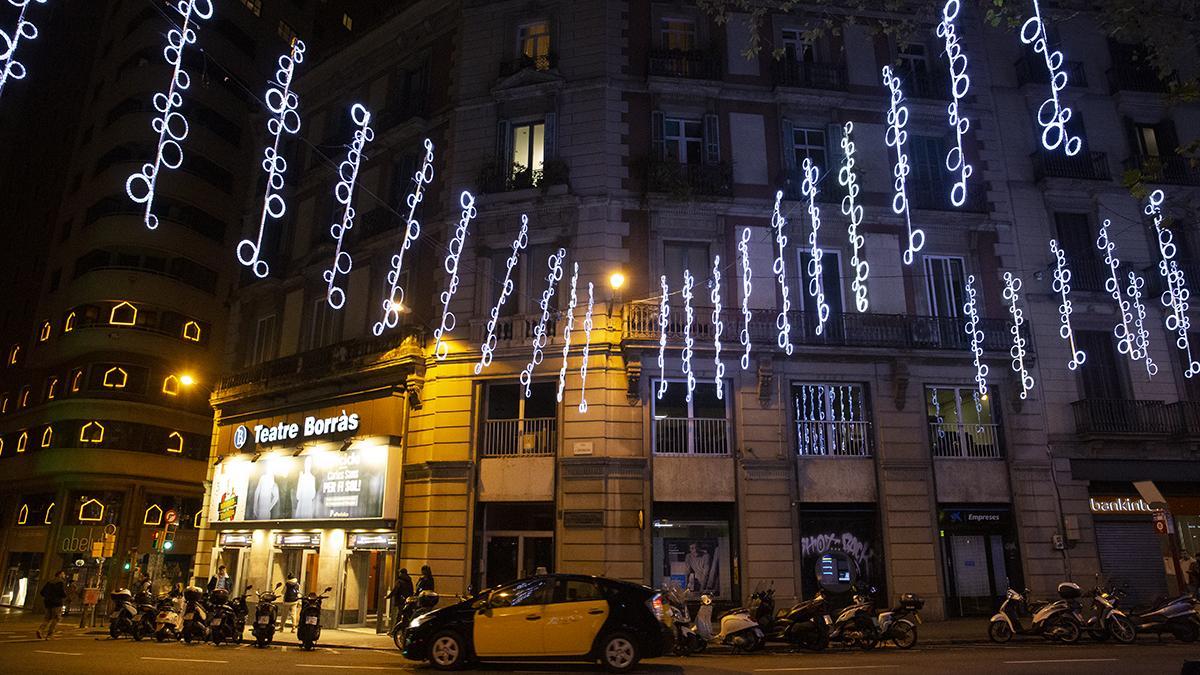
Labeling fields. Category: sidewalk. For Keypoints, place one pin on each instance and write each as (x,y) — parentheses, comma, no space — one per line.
(339,638)
(953,631)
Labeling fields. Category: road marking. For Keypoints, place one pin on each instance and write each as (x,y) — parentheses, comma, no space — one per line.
(815,668)
(322,665)
(46,651)
(164,658)
(1060,661)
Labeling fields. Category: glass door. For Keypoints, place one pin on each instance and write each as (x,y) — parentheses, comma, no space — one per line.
(515,555)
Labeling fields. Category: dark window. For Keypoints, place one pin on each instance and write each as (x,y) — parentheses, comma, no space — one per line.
(521,594)
(576,590)
(1104,376)
(1078,242)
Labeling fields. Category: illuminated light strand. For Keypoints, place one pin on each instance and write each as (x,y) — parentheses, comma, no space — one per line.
(1052,114)
(394,303)
(1175,298)
(937,412)
(747,287)
(689,316)
(816,285)
(895,137)
(562,372)
(718,326)
(1012,290)
(854,212)
(171,125)
(1141,336)
(488,348)
(10,67)
(975,333)
(1062,286)
(664,310)
(467,201)
(1112,284)
(284,102)
(540,337)
(587,349)
(343,192)
(960,85)
(782,322)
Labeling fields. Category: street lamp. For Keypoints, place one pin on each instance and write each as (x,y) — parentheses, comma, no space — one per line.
(616,281)
(187,380)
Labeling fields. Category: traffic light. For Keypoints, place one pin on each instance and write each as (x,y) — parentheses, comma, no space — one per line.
(158,540)
(168,541)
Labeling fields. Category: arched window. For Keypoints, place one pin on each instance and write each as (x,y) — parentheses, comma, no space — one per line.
(115,378)
(69,324)
(92,432)
(170,385)
(191,331)
(123,314)
(175,442)
(13,353)
(44,333)
(22,441)
(47,436)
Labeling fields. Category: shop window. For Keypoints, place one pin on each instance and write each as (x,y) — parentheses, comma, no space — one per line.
(22,441)
(170,385)
(92,432)
(175,442)
(51,388)
(961,423)
(981,558)
(44,332)
(533,42)
(699,426)
(69,323)
(47,436)
(76,379)
(123,314)
(191,331)
(693,553)
(515,425)
(13,353)
(831,420)
(115,378)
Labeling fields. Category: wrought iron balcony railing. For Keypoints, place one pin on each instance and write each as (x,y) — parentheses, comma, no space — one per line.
(1086,165)
(685,180)
(935,196)
(1136,77)
(1104,417)
(528,437)
(541,62)
(692,436)
(971,441)
(833,438)
(1031,69)
(789,73)
(700,64)
(1166,169)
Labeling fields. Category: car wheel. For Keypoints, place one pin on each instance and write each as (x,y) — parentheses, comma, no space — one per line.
(904,635)
(999,632)
(446,651)
(1122,629)
(619,653)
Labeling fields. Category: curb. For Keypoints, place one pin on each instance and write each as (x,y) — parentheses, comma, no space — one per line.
(289,643)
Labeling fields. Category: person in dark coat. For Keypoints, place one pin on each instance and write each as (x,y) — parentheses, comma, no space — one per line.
(53,594)
(401,591)
(425,583)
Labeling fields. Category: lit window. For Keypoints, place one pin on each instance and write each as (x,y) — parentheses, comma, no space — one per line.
(91,511)
(679,34)
(13,353)
(24,402)
(76,380)
(153,515)
(175,442)
(92,432)
(4,405)
(48,520)
(115,378)
(23,516)
(347,22)
(123,314)
(528,150)
(22,441)
(170,385)
(533,41)
(47,437)
(191,331)
(51,388)
(44,333)
(69,324)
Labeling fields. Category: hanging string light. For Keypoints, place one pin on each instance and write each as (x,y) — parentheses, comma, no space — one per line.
(567,326)
(1122,331)
(816,285)
(441,349)
(343,192)
(1062,286)
(960,85)
(664,310)
(975,333)
(688,317)
(10,67)
(1012,289)
(718,326)
(1052,114)
(540,337)
(393,304)
(1175,298)
(587,348)
(895,137)
(171,125)
(854,212)
(744,336)
(284,104)
(488,348)
(1141,336)
(783,322)
(937,412)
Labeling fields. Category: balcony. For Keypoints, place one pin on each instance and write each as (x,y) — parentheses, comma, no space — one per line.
(1121,417)
(541,62)
(1165,169)
(529,437)
(515,330)
(790,73)
(697,64)
(970,441)
(935,196)
(833,438)
(1031,69)
(1186,417)
(1136,77)
(683,181)
(494,179)
(1086,165)
(830,191)
(691,436)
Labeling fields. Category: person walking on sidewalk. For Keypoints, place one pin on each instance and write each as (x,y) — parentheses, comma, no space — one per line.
(425,583)
(400,592)
(291,598)
(53,594)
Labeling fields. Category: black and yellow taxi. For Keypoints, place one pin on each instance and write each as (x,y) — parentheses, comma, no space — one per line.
(551,617)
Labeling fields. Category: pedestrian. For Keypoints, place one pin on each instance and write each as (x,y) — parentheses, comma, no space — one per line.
(220,580)
(401,591)
(53,594)
(291,598)
(425,583)
(1193,575)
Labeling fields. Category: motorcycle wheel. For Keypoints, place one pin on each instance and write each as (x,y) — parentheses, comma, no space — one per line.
(999,632)
(114,630)
(904,635)
(161,635)
(398,639)
(308,645)
(136,631)
(1122,630)
(1063,629)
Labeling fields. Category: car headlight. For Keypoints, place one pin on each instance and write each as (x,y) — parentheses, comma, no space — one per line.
(420,619)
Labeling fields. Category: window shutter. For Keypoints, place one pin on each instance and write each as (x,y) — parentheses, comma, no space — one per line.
(550,131)
(787,134)
(1168,140)
(503,145)
(712,139)
(657,147)
(833,150)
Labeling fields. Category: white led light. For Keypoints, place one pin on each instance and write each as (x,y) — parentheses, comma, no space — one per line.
(506,288)
(975,333)
(816,285)
(283,102)
(10,67)
(1175,298)
(1012,290)
(1052,114)
(567,326)
(440,348)
(689,316)
(937,412)
(1062,286)
(587,348)
(960,85)
(343,192)
(854,212)
(783,322)
(540,337)
(895,137)
(664,310)
(718,326)
(393,304)
(744,336)
(1141,336)
(1122,331)
(171,125)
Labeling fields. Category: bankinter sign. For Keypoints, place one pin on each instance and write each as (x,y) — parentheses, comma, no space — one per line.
(1119,505)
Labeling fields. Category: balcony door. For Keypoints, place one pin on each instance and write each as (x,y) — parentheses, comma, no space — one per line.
(831,285)
(514,425)
(961,423)
(831,419)
(696,427)
(1105,377)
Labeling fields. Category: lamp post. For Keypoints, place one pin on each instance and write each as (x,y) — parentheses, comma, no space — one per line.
(616,282)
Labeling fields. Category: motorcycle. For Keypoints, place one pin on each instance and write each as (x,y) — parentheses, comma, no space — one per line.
(1107,621)
(147,614)
(195,615)
(168,623)
(1177,616)
(266,612)
(855,625)
(309,630)
(899,624)
(223,617)
(126,617)
(804,625)
(686,640)
(414,606)
(240,611)
(738,628)
(1059,621)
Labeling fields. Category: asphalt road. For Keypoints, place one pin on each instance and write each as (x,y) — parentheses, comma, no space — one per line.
(91,654)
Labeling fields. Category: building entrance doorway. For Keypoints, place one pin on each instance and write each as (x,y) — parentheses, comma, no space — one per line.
(365,582)
(517,541)
(301,562)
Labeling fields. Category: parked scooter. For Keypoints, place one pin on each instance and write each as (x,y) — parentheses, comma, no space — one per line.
(804,625)
(1177,616)
(310,618)
(240,611)
(414,606)
(1059,621)
(738,628)
(686,640)
(125,618)
(168,623)
(855,625)
(1107,621)
(266,612)
(195,615)
(147,614)
(899,624)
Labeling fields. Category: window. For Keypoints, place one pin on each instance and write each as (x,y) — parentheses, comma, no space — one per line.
(285,31)
(264,340)
(677,34)
(115,378)
(255,6)
(1104,378)
(76,379)
(51,388)
(13,353)
(1077,238)
(170,385)
(44,332)
(831,284)
(324,324)
(576,590)
(961,423)
(797,48)
(927,154)
(528,149)
(685,255)
(47,436)
(516,425)
(683,140)
(123,314)
(696,427)
(533,43)
(810,143)
(69,323)
(521,594)
(347,22)
(175,442)
(191,331)
(22,441)
(831,420)
(92,432)
(914,58)
(1146,136)
(945,286)
(512,304)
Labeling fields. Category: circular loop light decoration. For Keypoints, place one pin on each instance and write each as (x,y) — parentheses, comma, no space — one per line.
(441,349)
(1122,331)
(975,333)
(284,104)
(718,327)
(1175,298)
(1052,114)
(664,310)
(689,316)
(343,192)
(960,85)
(1141,336)
(170,124)
(854,212)
(895,137)
(816,277)
(506,288)
(587,348)
(10,67)
(540,338)
(782,322)
(567,326)
(1012,290)
(1062,286)
(747,287)
(393,305)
